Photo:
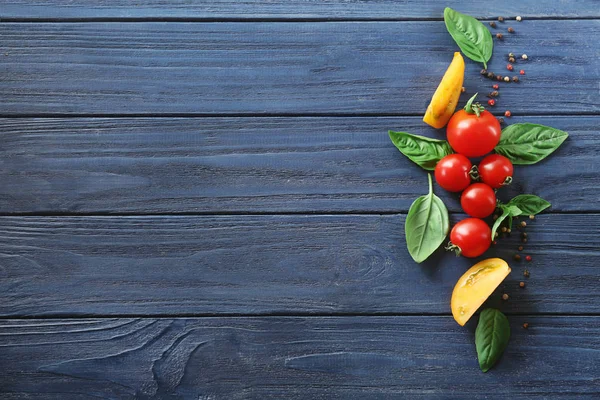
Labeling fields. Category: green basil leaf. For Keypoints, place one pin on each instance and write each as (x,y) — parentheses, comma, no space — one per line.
(427,225)
(529,204)
(525,144)
(473,38)
(498,222)
(423,151)
(491,337)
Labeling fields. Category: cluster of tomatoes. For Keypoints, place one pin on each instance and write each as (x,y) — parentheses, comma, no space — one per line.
(473,132)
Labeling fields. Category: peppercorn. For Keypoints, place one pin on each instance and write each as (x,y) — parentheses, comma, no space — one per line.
(492,102)
(523,224)
(528,258)
(495,86)
(532,217)
(521,284)
(494,243)
(499,36)
(523,240)
(526,274)
(511,59)
(495,235)
(518,18)
(520,248)
(493,24)
(498,77)
(483,72)
(506,79)
(524,56)
(504,229)
(509,67)
(495,217)
(504,297)
(525,325)
(522,72)
(511,54)
(508,230)
(491,75)
(515,79)
(500,19)
(501,120)
(524,235)
(511,30)
(517,257)
(462,89)
(507,114)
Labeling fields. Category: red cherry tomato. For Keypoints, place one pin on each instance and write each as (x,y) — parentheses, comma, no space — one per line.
(494,169)
(478,200)
(472,236)
(452,172)
(473,132)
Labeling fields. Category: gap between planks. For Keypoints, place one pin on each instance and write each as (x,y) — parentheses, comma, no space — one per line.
(273,315)
(262,19)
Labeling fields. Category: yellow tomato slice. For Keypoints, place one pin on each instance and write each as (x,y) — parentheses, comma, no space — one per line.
(475,286)
(444,100)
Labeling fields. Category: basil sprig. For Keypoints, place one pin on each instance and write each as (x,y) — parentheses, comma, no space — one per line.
(473,38)
(523,204)
(423,151)
(427,225)
(491,337)
(525,144)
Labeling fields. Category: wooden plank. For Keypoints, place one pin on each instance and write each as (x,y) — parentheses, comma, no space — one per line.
(295,264)
(190,165)
(280,68)
(281,9)
(294,358)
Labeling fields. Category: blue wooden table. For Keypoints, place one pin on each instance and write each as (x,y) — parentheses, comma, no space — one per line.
(200,200)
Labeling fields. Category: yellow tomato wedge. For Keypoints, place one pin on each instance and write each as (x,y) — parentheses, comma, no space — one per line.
(475,286)
(444,100)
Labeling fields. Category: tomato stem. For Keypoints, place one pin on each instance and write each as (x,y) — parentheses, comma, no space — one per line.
(452,247)
(474,108)
(507,181)
(474,173)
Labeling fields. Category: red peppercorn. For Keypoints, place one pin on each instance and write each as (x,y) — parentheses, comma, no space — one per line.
(507,113)
(528,258)
(492,102)
(509,67)
(522,72)
(496,86)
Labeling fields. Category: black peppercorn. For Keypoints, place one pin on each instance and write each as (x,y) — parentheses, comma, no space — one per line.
(525,325)
(511,30)
(521,284)
(526,274)
(523,224)
(498,77)
(515,79)
(493,24)
(501,120)
(500,19)
(524,235)
(499,36)
(523,240)
(483,72)
(520,248)
(491,75)
(511,59)
(517,257)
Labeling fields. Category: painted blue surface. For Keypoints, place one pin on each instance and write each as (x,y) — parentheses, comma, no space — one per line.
(201,202)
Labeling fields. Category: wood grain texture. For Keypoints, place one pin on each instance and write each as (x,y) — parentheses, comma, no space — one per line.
(300,264)
(294,358)
(203,165)
(281,9)
(280,68)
